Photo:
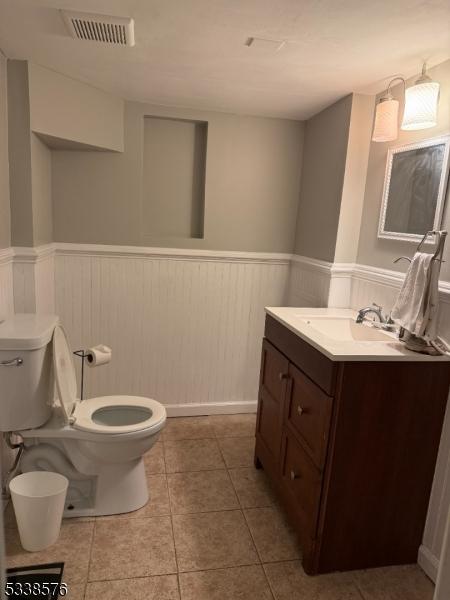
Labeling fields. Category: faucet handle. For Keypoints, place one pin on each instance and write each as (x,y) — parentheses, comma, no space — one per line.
(377,306)
(389,319)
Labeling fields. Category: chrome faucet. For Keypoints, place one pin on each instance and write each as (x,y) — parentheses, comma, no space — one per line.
(377,310)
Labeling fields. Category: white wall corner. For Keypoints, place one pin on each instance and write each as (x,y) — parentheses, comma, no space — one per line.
(6,282)
(428,562)
(34,279)
(340,292)
(24,288)
(309,282)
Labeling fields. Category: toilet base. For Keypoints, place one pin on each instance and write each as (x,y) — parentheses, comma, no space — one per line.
(95,489)
(116,489)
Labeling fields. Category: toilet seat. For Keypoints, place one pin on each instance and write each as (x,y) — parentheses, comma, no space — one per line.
(114,407)
(103,415)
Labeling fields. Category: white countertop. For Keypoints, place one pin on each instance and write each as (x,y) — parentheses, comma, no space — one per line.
(337,347)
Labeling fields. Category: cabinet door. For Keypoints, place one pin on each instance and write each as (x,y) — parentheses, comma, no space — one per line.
(274,379)
(303,481)
(309,414)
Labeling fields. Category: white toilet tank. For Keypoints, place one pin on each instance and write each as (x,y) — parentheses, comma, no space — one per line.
(26,377)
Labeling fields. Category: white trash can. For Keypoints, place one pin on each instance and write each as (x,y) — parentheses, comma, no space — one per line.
(38,498)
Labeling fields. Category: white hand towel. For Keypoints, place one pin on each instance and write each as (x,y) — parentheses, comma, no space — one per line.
(416,306)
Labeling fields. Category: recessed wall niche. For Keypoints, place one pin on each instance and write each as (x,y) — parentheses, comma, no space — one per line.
(174,164)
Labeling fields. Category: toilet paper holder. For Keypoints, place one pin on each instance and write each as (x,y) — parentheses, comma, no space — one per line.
(83,355)
(96,356)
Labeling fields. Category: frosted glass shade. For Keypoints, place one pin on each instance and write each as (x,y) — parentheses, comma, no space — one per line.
(385,128)
(421,104)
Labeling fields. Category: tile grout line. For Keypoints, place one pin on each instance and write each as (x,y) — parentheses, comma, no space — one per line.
(258,554)
(250,564)
(272,591)
(198,512)
(171,519)
(90,558)
(235,490)
(176,555)
(251,535)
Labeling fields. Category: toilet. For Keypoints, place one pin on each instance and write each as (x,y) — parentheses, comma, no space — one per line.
(97,443)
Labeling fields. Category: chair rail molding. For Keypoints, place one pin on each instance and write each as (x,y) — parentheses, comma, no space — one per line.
(98,250)
(342,278)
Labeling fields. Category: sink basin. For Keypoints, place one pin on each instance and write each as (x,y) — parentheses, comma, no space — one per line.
(345,329)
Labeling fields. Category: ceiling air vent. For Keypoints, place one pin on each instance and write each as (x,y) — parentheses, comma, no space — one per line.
(100,28)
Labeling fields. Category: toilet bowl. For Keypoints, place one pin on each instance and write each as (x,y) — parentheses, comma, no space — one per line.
(97,443)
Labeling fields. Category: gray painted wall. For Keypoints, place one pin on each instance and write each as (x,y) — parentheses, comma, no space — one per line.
(5,215)
(380,252)
(173,178)
(325,151)
(19,154)
(251,187)
(64,108)
(41,189)
(29,166)
(352,201)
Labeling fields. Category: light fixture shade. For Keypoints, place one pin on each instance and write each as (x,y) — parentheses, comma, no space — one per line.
(421,104)
(385,128)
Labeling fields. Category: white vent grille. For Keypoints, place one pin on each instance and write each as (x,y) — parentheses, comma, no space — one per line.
(100,28)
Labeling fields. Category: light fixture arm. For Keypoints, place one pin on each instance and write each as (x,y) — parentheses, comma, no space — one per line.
(398,78)
(423,76)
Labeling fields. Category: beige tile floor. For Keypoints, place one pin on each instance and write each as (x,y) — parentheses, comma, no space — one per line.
(211,531)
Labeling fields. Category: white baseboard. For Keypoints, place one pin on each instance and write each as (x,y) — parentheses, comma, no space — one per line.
(428,562)
(215,408)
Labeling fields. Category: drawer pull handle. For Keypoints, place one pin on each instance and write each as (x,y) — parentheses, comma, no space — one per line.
(300,410)
(282,376)
(294,476)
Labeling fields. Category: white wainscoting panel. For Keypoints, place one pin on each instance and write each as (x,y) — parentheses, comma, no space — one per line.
(185,330)
(45,284)
(309,282)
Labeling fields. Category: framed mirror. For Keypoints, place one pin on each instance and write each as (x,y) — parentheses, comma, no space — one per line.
(414,191)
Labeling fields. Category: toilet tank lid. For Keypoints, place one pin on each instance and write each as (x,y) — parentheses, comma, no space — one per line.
(26,331)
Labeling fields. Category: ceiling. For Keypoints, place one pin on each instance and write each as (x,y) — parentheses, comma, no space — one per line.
(192,52)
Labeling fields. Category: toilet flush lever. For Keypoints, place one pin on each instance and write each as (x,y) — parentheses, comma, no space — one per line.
(14,362)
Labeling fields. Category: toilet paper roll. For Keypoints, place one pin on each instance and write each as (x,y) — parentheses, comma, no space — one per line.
(98,355)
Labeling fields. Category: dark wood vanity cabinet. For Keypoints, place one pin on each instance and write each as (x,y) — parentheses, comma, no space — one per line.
(350,448)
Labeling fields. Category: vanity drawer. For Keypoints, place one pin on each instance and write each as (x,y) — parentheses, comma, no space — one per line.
(304,481)
(312,362)
(274,372)
(309,414)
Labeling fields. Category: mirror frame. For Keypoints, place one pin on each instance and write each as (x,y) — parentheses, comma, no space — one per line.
(414,237)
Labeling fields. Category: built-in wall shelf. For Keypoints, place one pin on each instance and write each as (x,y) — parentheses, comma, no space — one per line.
(174,160)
